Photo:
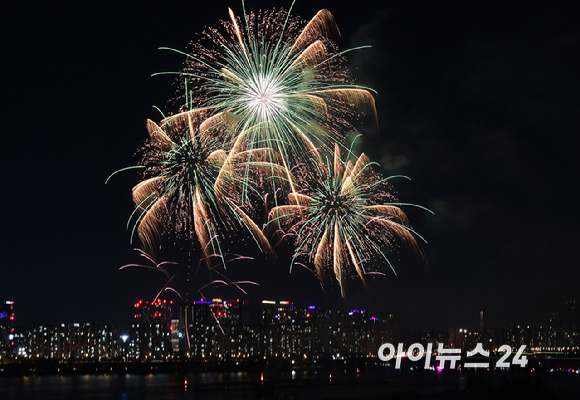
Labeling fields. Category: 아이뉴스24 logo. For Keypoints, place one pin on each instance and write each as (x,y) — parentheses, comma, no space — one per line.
(416,352)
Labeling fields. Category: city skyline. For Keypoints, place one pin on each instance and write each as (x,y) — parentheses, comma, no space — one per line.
(222,330)
(566,316)
(477,105)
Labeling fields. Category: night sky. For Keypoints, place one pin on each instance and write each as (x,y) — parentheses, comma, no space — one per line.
(478,105)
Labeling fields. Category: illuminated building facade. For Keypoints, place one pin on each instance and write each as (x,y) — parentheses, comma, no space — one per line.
(358,333)
(150,332)
(222,329)
(6,325)
(83,342)
(238,329)
(176,337)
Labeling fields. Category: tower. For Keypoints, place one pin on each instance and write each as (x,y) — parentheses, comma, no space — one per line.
(573,317)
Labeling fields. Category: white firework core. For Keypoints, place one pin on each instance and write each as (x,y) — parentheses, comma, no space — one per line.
(264,95)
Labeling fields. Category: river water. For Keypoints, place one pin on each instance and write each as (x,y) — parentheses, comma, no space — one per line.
(243,386)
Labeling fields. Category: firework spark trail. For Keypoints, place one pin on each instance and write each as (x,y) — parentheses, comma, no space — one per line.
(343,219)
(172,275)
(172,270)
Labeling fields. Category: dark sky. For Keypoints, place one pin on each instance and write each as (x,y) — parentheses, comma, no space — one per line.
(477,104)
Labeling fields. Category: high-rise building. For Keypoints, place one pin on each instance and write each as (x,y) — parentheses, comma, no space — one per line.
(573,317)
(323,338)
(357,333)
(158,311)
(220,329)
(555,331)
(176,336)
(6,325)
(150,333)
(88,341)
(573,314)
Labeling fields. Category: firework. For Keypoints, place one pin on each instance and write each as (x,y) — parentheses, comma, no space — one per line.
(344,219)
(266,97)
(189,191)
(277,80)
